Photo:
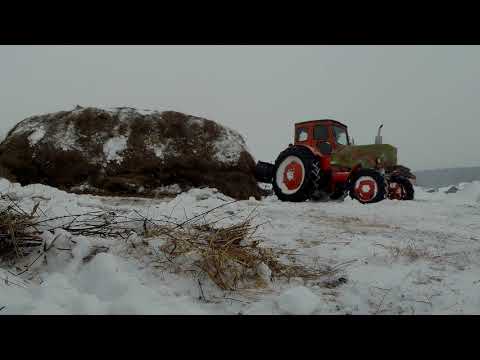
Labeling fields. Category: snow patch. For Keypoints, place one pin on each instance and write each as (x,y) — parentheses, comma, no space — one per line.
(28,125)
(169,189)
(36,136)
(113,147)
(298,301)
(470,191)
(228,147)
(196,121)
(82,187)
(66,141)
(160,149)
(123,111)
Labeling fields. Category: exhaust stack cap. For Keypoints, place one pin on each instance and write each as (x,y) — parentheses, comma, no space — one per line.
(378,138)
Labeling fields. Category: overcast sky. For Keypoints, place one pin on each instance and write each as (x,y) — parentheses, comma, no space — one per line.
(427,97)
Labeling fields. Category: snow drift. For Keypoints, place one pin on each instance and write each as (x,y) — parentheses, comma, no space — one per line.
(127,151)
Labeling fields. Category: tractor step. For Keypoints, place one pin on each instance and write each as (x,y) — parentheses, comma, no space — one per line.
(264,172)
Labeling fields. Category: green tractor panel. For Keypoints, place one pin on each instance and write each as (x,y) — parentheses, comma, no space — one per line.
(322,164)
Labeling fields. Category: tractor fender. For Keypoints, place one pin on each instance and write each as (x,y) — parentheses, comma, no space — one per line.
(264,170)
(355,169)
(325,160)
(312,149)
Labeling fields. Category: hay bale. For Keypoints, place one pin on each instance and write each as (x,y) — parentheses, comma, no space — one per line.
(126,151)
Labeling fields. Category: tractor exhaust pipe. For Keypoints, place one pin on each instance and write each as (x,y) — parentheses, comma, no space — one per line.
(378,138)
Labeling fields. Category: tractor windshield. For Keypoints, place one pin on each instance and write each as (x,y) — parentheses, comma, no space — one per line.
(340,135)
(320,132)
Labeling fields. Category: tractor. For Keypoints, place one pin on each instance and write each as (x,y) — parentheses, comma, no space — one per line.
(323,164)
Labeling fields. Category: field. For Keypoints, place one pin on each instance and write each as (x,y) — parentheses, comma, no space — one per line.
(411,257)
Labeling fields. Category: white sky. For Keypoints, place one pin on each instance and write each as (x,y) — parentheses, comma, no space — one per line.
(427,97)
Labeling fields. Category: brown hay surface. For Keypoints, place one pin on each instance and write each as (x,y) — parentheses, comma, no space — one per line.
(232,256)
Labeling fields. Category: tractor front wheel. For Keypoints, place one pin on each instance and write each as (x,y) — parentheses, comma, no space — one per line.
(400,188)
(296,170)
(368,186)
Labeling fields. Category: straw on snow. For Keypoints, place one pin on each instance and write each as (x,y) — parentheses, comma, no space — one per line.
(231,256)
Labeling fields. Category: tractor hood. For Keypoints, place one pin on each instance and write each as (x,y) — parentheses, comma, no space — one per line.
(366,155)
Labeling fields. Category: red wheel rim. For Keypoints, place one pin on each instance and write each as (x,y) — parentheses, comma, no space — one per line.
(293,175)
(395,191)
(366,188)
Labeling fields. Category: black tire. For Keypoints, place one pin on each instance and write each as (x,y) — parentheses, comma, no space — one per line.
(310,175)
(407,187)
(376,195)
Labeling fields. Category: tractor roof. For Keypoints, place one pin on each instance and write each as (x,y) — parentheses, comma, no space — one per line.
(320,121)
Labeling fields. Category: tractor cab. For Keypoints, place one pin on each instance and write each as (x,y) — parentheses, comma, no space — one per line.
(317,132)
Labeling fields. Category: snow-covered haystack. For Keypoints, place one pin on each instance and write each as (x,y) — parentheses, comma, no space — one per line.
(127,151)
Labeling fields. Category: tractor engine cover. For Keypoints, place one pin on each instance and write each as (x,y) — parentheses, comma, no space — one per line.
(366,155)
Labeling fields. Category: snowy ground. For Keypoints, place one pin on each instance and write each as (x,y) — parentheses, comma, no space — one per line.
(413,257)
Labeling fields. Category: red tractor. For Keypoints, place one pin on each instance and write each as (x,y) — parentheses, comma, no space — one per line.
(322,164)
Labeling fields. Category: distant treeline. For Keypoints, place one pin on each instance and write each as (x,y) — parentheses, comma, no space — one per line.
(444,177)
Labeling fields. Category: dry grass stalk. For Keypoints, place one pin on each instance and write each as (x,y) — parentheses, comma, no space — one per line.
(18,234)
(411,252)
(231,256)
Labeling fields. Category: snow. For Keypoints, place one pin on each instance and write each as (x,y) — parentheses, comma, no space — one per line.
(169,189)
(196,121)
(470,192)
(36,136)
(298,301)
(113,147)
(28,125)
(122,110)
(396,257)
(106,285)
(160,149)
(66,140)
(229,146)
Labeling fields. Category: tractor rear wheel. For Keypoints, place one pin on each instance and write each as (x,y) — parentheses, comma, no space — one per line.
(400,188)
(368,186)
(295,174)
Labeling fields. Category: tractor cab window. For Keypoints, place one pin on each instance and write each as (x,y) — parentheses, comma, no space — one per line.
(320,132)
(302,134)
(340,135)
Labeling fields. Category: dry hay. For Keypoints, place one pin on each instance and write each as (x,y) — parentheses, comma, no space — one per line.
(411,252)
(231,256)
(18,234)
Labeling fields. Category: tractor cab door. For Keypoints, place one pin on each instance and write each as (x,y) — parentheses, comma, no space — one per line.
(340,137)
